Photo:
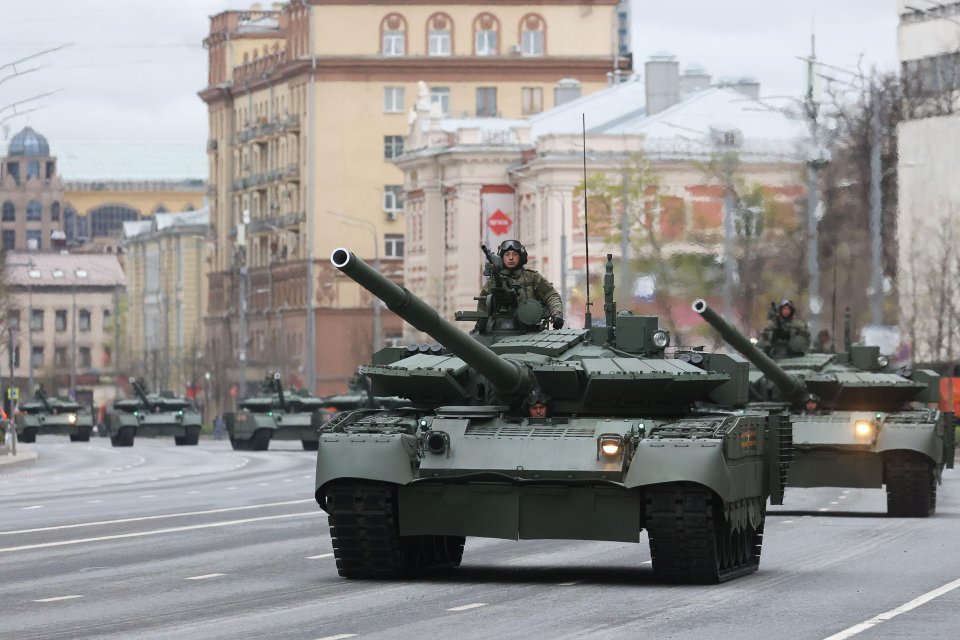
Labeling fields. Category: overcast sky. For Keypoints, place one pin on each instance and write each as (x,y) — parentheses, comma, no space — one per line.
(134,68)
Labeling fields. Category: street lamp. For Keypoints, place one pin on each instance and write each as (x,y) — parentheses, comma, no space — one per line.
(206,394)
(80,274)
(366,224)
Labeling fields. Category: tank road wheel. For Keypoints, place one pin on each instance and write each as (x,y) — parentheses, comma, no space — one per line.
(178,440)
(28,435)
(310,445)
(364,531)
(692,542)
(83,434)
(260,441)
(911,485)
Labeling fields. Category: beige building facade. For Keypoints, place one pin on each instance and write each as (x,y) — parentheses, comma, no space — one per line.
(928,218)
(62,314)
(166,299)
(309,106)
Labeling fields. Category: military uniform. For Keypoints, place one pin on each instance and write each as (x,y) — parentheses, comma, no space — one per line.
(530,285)
(789,336)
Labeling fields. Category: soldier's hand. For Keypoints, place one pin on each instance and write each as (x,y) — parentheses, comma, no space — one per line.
(557,321)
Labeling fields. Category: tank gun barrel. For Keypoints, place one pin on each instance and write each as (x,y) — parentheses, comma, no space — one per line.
(789,386)
(512,381)
(278,385)
(141,393)
(42,395)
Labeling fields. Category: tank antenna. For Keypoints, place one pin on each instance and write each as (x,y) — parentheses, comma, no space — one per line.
(587,318)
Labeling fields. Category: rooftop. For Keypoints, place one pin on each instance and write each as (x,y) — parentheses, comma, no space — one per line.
(53,269)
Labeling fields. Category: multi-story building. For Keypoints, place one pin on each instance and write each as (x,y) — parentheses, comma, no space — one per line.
(86,190)
(472,181)
(308,108)
(166,298)
(62,321)
(928,218)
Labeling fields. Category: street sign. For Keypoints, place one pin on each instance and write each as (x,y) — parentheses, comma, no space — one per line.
(499,223)
(13,393)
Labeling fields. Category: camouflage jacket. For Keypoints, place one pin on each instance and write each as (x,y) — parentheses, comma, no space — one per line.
(787,337)
(532,286)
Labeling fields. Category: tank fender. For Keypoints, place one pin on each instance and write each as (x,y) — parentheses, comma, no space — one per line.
(701,461)
(365,456)
(924,437)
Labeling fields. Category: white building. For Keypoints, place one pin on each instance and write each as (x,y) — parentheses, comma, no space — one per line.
(928,44)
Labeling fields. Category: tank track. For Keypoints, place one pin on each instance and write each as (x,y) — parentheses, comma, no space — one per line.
(364,530)
(692,542)
(911,485)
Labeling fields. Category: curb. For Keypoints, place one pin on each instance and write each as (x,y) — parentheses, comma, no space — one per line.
(22,458)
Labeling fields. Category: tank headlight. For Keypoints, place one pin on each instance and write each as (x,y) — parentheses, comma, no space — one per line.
(661,339)
(610,446)
(863,428)
(883,361)
(437,441)
(72,418)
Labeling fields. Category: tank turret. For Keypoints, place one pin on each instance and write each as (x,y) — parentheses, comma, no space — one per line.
(791,387)
(511,379)
(141,392)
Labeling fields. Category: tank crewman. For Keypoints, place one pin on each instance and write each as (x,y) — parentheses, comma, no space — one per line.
(529,284)
(786,335)
(537,405)
(811,404)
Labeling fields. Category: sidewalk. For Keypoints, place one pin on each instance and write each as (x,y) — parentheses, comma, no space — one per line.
(25,455)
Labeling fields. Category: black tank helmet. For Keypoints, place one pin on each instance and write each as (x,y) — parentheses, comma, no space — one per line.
(513,245)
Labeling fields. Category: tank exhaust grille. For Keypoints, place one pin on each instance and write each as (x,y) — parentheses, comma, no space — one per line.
(526,431)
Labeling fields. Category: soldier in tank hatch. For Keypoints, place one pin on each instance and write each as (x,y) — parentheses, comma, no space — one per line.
(529,284)
(786,335)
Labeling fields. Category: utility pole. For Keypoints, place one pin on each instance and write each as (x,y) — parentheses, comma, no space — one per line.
(625,236)
(876,209)
(311,213)
(814,162)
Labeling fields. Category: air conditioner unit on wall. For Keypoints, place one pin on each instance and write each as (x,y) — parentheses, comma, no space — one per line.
(391,215)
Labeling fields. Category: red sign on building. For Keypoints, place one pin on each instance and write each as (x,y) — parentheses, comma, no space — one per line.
(499,223)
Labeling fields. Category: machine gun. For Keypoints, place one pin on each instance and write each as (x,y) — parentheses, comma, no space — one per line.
(278,386)
(142,394)
(503,299)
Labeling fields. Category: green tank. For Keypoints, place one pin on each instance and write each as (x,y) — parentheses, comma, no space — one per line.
(42,415)
(516,432)
(152,415)
(869,428)
(275,414)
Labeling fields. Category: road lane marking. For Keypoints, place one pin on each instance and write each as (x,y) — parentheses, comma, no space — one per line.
(465,607)
(57,599)
(156,532)
(149,496)
(571,583)
(192,492)
(339,636)
(647,562)
(322,555)
(893,613)
(786,522)
(94,501)
(834,502)
(36,506)
(167,515)
(824,509)
(206,576)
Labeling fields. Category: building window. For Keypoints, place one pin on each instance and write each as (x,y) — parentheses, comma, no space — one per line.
(34,211)
(36,357)
(85,360)
(393,43)
(60,357)
(392,147)
(33,169)
(393,246)
(486,102)
(486,43)
(439,38)
(532,100)
(36,319)
(393,99)
(13,169)
(55,212)
(34,239)
(107,321)
(13,319)
(393,198)
(9,212)
(441,96)
(9,239)
(60,320)
(108,220)
(16,356)
(84,324)
(531,35)
(107,356)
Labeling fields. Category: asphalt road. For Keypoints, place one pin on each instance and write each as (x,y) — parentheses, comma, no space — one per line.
(158,541)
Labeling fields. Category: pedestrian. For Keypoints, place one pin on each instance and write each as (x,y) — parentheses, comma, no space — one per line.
(218,427)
